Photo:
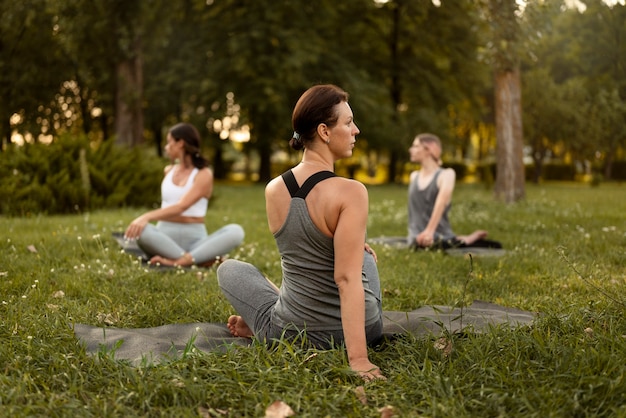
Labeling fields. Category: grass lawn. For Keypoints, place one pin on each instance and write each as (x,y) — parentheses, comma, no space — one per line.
(566,258)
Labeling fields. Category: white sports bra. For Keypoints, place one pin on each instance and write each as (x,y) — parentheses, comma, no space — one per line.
(172,193)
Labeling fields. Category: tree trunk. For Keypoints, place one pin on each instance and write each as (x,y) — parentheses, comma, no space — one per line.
(608,165)
(7,134)
(510,163)
(395,89)
(128,98)
(265,153)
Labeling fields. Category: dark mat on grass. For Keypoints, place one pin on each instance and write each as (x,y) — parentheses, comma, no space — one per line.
(400,242)
(147,345)
(130,246)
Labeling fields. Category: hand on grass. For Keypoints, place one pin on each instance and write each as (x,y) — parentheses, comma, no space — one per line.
(367,370)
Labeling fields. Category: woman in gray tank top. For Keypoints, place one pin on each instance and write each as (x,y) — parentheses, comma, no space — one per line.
(330,291)
(430,196)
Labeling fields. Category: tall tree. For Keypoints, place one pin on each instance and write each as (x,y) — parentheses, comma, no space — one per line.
(105,39)
(509,184)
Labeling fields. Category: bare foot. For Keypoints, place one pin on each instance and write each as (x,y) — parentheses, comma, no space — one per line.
(238,327)
(473,237)
(184,261)
(157,259)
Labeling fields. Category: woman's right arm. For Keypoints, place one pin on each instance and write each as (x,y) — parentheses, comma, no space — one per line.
(444,196)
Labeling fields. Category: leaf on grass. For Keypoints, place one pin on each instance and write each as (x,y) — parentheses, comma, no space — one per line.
(387,411)
(210,412)
(108,319)
(444,345)
(312,356)
(32,248)
(58,294)
(361,395)
(178,383)
(4,273)
(279,409)
(589,332)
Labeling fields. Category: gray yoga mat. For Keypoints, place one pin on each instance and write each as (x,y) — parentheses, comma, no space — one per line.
(167,342)
(400,243)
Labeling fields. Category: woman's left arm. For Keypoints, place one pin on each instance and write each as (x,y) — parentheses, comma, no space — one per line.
(349,236)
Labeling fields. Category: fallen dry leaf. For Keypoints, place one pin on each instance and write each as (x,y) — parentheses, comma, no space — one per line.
(444,345)
(387,411)
(32,248)
(279,409)
(310,357)
(109,319)
(210,412)
(361,395)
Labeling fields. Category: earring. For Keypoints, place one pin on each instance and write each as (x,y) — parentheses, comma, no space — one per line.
(327,141)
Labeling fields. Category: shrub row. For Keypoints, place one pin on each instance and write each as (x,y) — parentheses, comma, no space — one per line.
(553,171)
(73,175)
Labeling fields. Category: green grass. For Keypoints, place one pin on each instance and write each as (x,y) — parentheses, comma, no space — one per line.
(566,258)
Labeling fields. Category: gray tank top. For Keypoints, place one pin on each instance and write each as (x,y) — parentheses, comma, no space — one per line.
(309,297)
(421,204)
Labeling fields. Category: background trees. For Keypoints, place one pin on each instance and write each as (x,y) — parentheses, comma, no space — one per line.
(128,70)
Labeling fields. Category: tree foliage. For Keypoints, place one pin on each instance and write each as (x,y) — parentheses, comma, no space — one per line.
(32,67)
(131,69)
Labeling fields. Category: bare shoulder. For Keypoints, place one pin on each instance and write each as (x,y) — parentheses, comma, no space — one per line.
(448,174)
(413,175)
(168,168)
(204,175)
(206,172)
(446,179)
(350,190)
(273,186)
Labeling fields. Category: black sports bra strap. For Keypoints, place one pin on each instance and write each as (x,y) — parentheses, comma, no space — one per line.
(312,181)
(290,182)
(302,192)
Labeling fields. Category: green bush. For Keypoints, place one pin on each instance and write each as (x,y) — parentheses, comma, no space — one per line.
(558,171)
(72,175)
(549,171)
(618,170)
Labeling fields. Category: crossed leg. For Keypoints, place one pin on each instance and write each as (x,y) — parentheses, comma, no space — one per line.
(473,237)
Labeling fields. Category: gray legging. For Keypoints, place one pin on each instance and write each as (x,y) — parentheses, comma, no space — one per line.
(172,240)
(254,298)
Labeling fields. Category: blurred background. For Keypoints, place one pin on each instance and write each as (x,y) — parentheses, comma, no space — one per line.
(89,88)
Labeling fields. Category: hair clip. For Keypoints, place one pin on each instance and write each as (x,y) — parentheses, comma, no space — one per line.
(296,136)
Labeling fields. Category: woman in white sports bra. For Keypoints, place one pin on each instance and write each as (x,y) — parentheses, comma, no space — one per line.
(180,237)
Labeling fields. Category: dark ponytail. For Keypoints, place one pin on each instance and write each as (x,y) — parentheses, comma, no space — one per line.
(190,135)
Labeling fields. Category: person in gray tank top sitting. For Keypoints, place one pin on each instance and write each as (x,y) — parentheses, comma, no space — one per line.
(180,237)
(330,291)
(430,197)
